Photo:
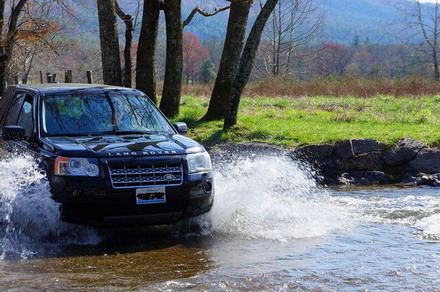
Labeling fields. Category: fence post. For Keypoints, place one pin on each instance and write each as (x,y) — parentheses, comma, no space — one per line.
(68,77)
(41,77)
(49,77)
(90,77)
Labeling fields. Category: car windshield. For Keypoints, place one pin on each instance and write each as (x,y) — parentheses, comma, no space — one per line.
(99,114)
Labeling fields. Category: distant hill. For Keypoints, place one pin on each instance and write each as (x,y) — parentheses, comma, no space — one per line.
(344,19)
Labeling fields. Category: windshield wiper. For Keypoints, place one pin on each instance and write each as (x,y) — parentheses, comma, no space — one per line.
(116,132)
(68,135)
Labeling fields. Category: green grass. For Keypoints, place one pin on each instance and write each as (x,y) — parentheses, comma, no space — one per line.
(318,120)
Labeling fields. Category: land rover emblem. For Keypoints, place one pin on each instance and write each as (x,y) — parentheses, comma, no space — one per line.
(169,177)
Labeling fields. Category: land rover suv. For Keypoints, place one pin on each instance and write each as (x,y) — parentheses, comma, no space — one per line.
(111,157)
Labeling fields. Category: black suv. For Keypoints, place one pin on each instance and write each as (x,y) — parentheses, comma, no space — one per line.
(111,157)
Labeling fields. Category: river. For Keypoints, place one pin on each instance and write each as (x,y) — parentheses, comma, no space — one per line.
(271,229)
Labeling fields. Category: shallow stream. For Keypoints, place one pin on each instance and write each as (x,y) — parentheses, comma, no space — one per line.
(271,229)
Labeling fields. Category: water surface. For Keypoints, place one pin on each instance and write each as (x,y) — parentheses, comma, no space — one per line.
(271,229)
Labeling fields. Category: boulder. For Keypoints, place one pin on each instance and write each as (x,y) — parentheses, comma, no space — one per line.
(405,150)
(313,153)
(427,161)
(409,178)
(369,161)
(434,180)
(422,179)
(364,178)
(328,171)
(354,147)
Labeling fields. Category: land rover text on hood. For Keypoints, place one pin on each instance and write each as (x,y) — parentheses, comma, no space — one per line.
(111,157)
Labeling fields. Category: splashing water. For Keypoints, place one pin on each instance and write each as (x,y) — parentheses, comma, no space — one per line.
(271,197)
(415,207)
(29,218)
(430,225)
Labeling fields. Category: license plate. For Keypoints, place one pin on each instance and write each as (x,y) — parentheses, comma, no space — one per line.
(153,195)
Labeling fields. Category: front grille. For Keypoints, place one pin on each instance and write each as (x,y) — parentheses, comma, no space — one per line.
(146,175)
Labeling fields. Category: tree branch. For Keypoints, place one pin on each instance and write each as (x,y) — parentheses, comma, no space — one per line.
(203,13)
(121,14)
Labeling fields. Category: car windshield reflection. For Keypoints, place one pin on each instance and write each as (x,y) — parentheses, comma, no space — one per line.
(109,113)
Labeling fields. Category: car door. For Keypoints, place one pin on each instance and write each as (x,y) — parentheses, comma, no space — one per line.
(21,112)
(9,114)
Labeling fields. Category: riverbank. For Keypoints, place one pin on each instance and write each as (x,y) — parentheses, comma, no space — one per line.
(295,122)
(346,141)
(352,162)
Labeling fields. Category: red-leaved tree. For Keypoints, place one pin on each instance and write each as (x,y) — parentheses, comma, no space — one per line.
(193,56)
(335,59)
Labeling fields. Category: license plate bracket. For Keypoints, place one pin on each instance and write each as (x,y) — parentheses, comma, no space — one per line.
(151,195)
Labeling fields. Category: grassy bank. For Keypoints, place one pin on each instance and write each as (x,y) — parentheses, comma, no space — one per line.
(293,122)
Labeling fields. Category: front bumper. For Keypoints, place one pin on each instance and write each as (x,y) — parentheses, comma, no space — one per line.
(93,201)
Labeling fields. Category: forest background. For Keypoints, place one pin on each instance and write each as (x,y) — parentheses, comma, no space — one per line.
(359,48)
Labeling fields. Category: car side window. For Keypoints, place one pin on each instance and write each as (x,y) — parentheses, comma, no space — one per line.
(14,109)
(25,119)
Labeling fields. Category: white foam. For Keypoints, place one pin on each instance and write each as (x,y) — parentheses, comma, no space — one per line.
(28,215)
(430,225)
(270,197)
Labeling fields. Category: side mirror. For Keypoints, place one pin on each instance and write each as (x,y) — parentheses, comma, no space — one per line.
(13,133)
(181,128)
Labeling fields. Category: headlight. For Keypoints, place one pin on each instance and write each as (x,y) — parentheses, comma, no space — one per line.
(76,166)
(199,162)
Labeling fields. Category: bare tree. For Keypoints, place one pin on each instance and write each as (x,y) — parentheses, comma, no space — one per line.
(8,40)
(247,62)
(40,35)
(174,59)
(129,29)
(291,26)
(29,28)
(108,35)
(146,54)
(234,41)
(422,21)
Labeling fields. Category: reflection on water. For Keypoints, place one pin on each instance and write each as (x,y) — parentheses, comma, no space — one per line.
(113,264)
(271,229)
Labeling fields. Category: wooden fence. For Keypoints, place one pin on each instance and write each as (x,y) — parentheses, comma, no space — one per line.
(68,77)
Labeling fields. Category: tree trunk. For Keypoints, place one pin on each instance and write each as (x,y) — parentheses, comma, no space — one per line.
(274,44)
(174,60)
(108,34)
(436,66)
(8,40)
(3,72)
(146,54)
(279,41)
(128,20)
(235,35)
(247,62)
(2,17)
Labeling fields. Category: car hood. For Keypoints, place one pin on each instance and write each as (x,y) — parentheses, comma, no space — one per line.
(123,145)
